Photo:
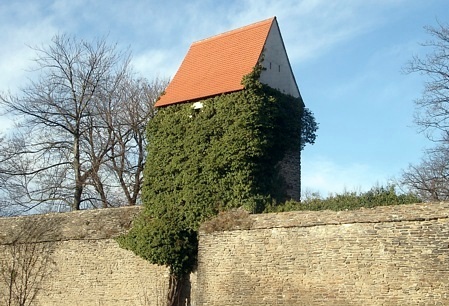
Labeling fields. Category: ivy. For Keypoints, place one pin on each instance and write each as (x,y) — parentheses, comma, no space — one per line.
(203,161)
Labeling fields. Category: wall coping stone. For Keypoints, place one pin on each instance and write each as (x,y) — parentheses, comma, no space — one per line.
(77,225)
(85,225)
(379,214)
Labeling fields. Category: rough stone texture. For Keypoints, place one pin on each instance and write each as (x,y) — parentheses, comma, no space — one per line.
(98,272)
(88,266)
(290,170)
(77,225)
(396,255)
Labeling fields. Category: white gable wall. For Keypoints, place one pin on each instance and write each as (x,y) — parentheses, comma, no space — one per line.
(278,73)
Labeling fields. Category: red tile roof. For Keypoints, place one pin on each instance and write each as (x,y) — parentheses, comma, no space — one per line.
(217,64)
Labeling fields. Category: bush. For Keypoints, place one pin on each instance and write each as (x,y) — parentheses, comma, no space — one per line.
(376,196)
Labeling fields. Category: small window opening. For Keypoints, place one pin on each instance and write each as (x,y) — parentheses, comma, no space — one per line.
(197,105)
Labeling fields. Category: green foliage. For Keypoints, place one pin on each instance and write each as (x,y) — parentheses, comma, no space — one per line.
(308,128)
(163,240)
(377,196)
(203,161)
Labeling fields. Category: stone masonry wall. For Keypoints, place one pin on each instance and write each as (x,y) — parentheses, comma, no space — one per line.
(290,170)
(86,266)
(396,255)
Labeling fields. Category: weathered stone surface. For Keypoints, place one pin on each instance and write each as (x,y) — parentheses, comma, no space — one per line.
(290,170)
(76,225)
(392,255)
(88,267)
(98,272)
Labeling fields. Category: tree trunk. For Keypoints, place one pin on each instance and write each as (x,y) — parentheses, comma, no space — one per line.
(178,290)
(77,198)
(77,169)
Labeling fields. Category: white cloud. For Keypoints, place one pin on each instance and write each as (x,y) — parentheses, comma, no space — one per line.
(326,176)
(310,27)
(26,28)
(314,27)
(156,63)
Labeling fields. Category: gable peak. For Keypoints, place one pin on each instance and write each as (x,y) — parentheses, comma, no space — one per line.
(238,30)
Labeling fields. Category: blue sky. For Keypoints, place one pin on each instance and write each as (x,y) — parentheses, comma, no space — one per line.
(346,55)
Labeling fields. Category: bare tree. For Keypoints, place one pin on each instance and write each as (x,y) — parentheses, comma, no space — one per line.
(433,108)
(430,179)
(128,124)
(81,134)
(117,142)
(27,263)
(28,178)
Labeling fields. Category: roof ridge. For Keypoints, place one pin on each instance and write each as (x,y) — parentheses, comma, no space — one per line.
(235,31)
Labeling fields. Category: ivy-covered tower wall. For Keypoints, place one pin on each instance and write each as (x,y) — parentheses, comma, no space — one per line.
(213,69)
(238,149)
(277,73)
